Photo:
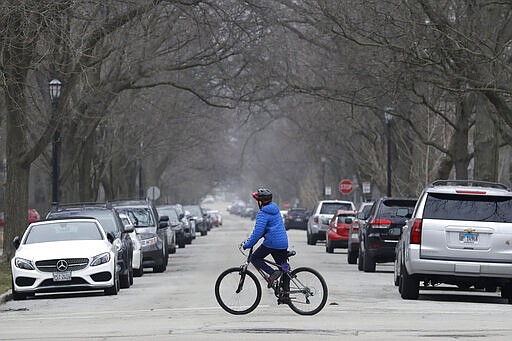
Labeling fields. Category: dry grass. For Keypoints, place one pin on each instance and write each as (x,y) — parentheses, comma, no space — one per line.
(5,270)
(5,277)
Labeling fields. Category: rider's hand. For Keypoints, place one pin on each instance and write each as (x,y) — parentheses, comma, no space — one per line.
(241,246)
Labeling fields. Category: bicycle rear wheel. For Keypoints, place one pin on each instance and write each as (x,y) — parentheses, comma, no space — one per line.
(308,291)
(243,302)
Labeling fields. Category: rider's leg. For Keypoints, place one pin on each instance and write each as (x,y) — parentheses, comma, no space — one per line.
(281,258)
(257,259)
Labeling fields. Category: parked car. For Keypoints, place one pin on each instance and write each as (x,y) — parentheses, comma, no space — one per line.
(199,218)
(188,227)
(459,234)
(151,229)
(321,216)
(32,217)
(382,230)
(64,255)
(337,234)
(175,223)
(111,222)
(353,234)
(216,217)
(138,268)
(296,218)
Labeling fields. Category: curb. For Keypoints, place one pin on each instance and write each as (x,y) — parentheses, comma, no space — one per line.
(7,296)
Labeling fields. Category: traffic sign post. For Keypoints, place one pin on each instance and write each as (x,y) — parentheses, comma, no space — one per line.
(153,193)
(345,186)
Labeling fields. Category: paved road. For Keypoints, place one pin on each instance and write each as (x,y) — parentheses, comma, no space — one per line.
(179,304)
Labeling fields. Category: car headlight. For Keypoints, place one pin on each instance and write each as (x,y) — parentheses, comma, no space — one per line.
(118,244)
(100,259)
(150,241)
(24,264)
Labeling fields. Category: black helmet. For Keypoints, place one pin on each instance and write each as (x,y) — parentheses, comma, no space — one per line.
(262,195)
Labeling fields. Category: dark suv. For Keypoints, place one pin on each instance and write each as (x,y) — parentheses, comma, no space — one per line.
(199,217)
(381,231)
(296,218)
(151,229)
(175,222)
(110,222)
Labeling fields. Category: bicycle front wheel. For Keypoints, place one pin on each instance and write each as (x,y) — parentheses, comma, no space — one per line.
(237,293)
(308,291)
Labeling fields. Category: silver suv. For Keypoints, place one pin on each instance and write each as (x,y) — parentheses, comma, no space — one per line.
(318,223)
(460,234)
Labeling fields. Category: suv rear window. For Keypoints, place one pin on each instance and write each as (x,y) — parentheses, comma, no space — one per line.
(468,207)
(332,208)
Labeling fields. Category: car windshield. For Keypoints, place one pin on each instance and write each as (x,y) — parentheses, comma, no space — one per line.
(170,212)
(105,217)
(63,231)
(194,210)
(141,217)
(468,207)
(393,208)
(332,208)
(342,217)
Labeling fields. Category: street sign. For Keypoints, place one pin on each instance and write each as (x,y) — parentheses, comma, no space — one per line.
(153,193)
(327,190)
(366,187)
(345,186)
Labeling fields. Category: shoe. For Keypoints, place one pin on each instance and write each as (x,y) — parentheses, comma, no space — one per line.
(285,299)
(273,278)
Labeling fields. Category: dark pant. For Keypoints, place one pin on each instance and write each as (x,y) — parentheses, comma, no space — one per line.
(280,257)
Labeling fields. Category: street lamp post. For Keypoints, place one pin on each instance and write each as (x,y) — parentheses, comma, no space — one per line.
(389,120)
(55,87)
(323,160)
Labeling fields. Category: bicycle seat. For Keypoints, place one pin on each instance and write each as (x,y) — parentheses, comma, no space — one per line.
(291,253)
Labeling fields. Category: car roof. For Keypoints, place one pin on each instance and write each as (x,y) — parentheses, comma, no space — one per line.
(468,187)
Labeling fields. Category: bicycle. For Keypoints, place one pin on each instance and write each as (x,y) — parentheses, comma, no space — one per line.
(238,290)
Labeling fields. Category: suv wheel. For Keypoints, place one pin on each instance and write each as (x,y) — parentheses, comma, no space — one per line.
(368,263)
(409,285)
(360,260)
(138,272)
(125,280)
(328,247)
(351,256)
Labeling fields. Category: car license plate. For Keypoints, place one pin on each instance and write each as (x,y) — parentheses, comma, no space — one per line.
(62,276)
(355,236)
(298,219)
(468,237)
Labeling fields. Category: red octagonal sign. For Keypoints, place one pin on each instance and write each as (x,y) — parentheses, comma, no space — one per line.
(346,186)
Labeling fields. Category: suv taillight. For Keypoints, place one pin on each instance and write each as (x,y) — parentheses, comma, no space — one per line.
(416,231)
(380,223)
(315,219)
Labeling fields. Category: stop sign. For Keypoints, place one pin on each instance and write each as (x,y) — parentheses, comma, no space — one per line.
(346,186)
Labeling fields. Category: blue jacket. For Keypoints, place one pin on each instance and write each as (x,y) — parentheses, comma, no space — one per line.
(269,224)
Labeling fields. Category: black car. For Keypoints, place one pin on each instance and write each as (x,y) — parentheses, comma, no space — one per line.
(296,218)
(381,231)
(175,222)
(151,229)
(199,217)
(110,222)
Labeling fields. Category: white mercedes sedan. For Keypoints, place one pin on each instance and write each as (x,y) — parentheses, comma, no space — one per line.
(64,255)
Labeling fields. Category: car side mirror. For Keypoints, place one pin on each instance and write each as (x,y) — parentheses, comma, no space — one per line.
(128,228)
(111,237)
(182,216)
(16,242)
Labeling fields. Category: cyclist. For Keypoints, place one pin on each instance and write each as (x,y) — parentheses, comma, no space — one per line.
(270,226)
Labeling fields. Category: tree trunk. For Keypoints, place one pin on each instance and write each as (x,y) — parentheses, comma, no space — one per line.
(16,189)
(486,154)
